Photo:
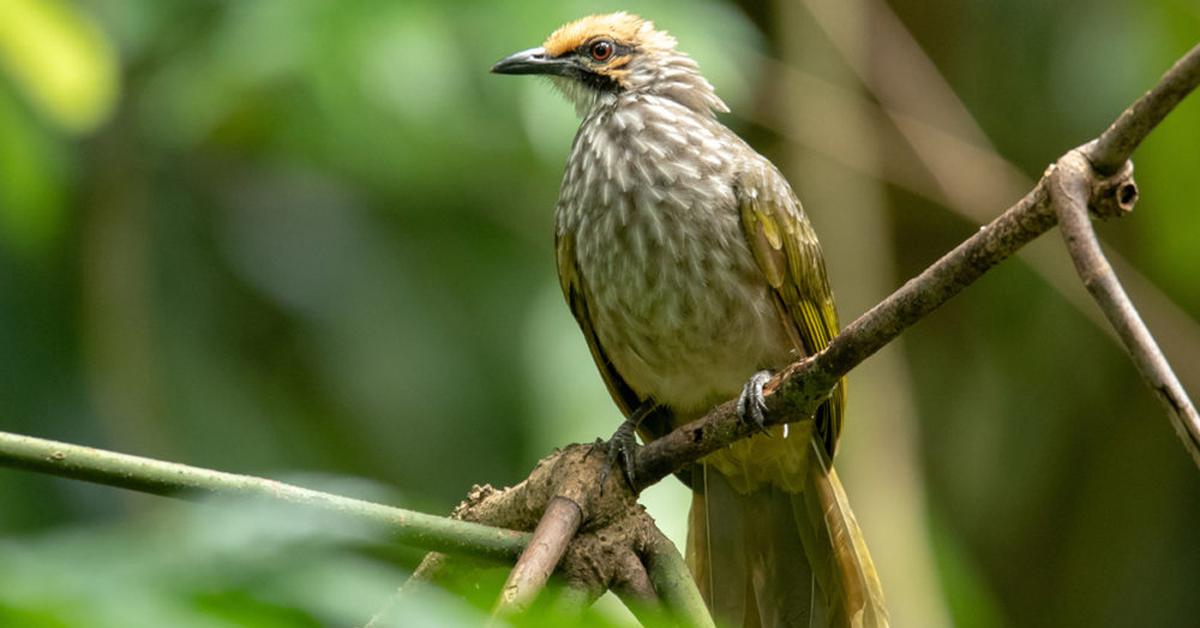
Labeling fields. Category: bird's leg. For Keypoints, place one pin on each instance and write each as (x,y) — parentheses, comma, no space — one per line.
(623,444)
(751,405)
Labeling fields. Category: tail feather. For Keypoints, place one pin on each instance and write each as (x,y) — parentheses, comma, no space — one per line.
(770,558)
(836,548)
(779,572)
(716,547)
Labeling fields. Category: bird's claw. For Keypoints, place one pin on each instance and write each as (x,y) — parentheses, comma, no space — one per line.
(751,405)
(621,448)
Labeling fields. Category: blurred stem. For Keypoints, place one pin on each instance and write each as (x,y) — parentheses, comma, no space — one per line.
(880,451)
(674,584)
(117,313)
(177,480)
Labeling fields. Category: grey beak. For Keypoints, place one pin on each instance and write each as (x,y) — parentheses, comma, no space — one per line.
(532,61)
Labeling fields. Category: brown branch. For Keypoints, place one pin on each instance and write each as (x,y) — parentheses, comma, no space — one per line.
(561,497)
(1070,195)
(797,390)
(956,167)
(533,569)
(1118,141)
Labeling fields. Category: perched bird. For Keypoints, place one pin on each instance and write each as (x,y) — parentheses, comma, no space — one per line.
(692,269)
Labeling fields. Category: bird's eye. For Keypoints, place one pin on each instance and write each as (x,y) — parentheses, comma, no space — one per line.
(602,50)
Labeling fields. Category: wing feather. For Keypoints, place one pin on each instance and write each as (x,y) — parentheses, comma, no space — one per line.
(789,255)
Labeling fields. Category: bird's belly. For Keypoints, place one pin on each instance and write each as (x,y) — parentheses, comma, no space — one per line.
(690,336)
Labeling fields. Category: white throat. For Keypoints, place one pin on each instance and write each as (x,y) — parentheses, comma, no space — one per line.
(585,99)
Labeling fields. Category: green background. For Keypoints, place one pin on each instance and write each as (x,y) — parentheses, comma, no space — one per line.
(313,240)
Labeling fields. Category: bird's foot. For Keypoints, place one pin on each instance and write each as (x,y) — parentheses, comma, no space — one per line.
(619,452)
(751,405)
(623,445)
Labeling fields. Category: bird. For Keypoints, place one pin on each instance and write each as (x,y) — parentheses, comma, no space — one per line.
(693,272)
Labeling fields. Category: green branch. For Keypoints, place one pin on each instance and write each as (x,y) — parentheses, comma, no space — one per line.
(178,480)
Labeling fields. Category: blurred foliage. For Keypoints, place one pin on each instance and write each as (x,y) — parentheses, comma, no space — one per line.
(307,235)
(61,59)
(231,562)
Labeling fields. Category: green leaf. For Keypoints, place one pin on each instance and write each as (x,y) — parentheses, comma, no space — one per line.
(61,59)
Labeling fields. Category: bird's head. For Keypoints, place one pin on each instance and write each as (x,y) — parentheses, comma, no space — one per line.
(594,59)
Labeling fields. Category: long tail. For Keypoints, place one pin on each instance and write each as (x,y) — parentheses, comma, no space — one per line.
(769,558)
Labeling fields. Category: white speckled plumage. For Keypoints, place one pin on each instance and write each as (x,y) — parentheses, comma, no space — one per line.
(648,197)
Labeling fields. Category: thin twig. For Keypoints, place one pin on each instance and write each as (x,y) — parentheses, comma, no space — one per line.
(533,569)
(1114,146)
(1070,193)
(178,480)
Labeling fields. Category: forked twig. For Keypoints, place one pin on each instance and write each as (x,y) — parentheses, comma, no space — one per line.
(1070,195)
